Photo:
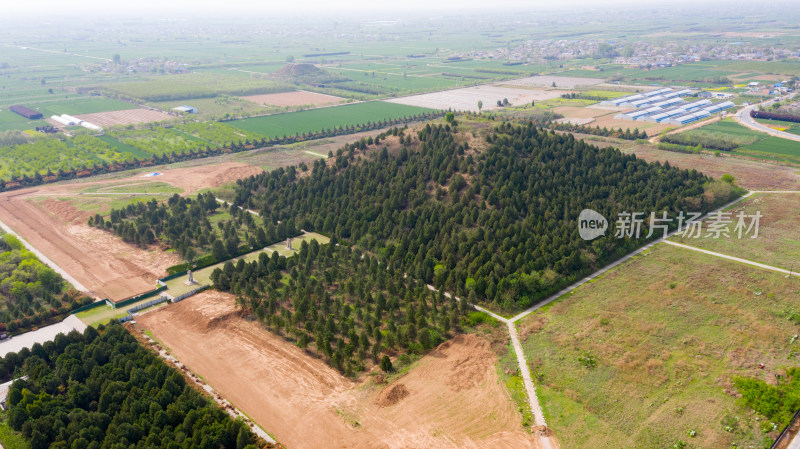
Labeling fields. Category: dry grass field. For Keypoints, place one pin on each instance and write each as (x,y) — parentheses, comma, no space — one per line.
(126,117)
(298,98)
(645,354)
(778,241)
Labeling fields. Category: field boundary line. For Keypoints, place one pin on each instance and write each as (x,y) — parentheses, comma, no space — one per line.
(588,278)
(733,258)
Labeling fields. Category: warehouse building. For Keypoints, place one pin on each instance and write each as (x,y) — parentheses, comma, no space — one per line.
(26,112)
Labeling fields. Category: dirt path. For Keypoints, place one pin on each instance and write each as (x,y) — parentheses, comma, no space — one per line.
(451,398)
(735,259)
(699,124)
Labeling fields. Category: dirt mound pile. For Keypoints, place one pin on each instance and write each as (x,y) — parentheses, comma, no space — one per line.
(392,396)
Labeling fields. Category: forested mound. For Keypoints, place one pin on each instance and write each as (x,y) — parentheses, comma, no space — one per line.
(105,390)
(498,225)
(342,304)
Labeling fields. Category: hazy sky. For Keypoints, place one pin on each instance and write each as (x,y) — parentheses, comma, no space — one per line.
(34,7)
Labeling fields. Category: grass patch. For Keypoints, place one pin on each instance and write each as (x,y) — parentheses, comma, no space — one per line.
(663,357)
(9,438)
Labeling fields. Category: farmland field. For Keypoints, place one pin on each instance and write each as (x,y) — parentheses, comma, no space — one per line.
(195,85)
(125,117)
(645,354)
(777,244)
(326,118)
(299,98)
(83,105)
(466,99)
(776,145)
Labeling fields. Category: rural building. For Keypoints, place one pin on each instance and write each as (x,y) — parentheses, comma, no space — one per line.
(26,111)
(721,95)
(186,109)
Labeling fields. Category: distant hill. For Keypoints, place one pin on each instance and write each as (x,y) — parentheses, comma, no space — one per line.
(304,73)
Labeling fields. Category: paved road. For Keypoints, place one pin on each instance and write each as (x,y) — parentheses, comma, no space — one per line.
(45,334)
(744,118)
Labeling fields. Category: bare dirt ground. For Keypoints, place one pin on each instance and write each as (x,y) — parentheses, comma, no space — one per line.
(126,117)
(563,82)
(104,264)
(451,398)
(610,122)
(579,112)
(298,98)
(466,99)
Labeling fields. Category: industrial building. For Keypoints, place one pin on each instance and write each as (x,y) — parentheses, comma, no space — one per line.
(186,109)
(676,112)
(650,99)
(26,112)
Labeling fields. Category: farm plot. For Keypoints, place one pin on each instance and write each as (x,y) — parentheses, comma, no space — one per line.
(47,218)
(451,398)
(314,120)
(125,117)
(299,98)
(645,355)
(467,99)
(561,82)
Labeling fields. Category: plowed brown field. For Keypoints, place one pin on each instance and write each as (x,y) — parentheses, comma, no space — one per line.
(104,264)
(452,398)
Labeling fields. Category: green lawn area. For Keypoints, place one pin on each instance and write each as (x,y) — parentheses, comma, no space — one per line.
(83,105)
(177,286)
(12,121)
(104,314)
(776,145)
(643,355)
(325,118)
(778,242)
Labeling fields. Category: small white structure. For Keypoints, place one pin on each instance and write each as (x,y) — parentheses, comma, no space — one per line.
(289,243)
(186,109)
(74,120)
(91,126)
(62,120)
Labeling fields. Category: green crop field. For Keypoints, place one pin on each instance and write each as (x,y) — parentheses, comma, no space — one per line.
(10,121)
(776,145)
(81,105)
(643,355)
(195,85)
(325,118)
